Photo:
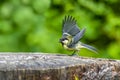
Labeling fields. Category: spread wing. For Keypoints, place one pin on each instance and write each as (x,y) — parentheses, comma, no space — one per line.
(78,36)
(69,26)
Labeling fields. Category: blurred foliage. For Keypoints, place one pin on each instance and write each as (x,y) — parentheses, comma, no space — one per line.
(35,25)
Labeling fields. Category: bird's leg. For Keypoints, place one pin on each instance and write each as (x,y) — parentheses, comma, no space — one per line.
(75,53)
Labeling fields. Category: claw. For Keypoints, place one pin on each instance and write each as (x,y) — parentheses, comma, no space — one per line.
(74,54)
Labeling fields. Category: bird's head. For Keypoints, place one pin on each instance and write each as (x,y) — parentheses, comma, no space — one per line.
(64,41)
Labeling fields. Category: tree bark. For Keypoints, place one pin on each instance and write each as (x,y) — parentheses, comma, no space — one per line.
(41,66)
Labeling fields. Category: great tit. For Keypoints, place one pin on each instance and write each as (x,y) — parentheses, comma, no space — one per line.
(71,34)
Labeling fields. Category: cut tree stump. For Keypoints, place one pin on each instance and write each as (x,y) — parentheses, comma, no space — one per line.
(37,66)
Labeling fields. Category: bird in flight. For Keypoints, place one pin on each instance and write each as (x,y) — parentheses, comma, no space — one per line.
(71,35)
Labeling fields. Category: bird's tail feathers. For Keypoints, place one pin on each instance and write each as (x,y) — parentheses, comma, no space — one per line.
(91,48)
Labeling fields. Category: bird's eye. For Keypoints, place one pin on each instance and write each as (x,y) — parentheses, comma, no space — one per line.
(65,39)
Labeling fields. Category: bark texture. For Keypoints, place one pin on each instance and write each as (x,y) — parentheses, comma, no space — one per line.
(37,66)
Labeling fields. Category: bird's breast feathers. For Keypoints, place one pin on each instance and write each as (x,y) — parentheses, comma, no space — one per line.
(77,46)
(66,47)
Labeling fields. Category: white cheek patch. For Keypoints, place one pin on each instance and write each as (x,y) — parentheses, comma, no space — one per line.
(65,41)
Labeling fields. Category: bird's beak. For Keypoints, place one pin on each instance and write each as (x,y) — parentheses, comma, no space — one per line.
(60,41)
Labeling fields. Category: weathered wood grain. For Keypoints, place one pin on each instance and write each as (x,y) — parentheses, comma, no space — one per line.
(37,66)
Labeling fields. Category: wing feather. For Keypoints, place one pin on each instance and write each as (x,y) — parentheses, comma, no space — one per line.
(78,36)
(70,26)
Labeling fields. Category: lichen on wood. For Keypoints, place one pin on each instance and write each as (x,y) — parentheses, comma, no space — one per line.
(42,66)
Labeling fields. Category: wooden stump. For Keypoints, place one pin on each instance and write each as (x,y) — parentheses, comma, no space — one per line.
(23,66)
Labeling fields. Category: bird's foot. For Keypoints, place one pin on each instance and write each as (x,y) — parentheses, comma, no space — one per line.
(74,54)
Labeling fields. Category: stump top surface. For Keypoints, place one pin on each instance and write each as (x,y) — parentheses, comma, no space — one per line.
(10,61)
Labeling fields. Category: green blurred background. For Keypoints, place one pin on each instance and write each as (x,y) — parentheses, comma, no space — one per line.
(35,25)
